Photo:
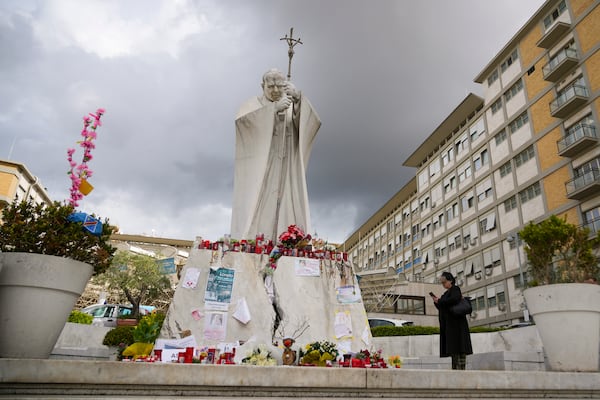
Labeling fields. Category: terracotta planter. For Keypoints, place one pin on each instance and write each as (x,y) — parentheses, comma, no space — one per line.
(567,317)
(37,293)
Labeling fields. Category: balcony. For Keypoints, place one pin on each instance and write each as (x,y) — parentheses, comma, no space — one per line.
(568,101)
(560,64)
(552,35)
(584,186)
(577,140)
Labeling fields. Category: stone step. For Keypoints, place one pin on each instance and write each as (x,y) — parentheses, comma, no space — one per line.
(46,379)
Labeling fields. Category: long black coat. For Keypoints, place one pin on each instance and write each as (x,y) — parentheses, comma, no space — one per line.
(454,331)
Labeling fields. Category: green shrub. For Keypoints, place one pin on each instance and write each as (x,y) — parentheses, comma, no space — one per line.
(148,328)
(78,317)
(421,330)
(119,335)
(483,329)
(404,330)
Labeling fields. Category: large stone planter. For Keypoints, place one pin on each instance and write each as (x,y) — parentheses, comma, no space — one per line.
(568,320)
(37,293)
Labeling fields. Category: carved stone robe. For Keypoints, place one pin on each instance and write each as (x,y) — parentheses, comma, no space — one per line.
(271,154)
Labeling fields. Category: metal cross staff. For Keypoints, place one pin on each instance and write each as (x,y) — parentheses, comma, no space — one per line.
(291,43)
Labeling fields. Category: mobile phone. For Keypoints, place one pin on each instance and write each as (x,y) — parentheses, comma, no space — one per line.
(431,294)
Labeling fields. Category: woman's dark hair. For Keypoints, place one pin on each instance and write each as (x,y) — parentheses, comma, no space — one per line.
(449,277)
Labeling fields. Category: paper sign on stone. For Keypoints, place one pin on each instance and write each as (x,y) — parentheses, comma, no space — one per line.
(191,278)
(307,267)
(188,341)
(215,325)
(348,294)
(242,312)
(343,324)
(197,315)
(366,337)
(219,285)
(344,346)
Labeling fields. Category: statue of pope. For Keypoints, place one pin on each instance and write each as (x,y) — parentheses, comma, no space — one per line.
(274,137)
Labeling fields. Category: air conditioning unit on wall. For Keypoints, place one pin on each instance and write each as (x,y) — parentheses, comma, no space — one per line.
(502,307)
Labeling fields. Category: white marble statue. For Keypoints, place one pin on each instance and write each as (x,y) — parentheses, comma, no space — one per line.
(274,137)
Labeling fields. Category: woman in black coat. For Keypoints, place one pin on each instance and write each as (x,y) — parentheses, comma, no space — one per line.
(455,339)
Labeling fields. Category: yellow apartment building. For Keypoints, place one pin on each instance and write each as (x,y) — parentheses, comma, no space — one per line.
(524,150)
(17,182)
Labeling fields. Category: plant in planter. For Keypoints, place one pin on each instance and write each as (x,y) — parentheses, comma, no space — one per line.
(561,257)
(559,252)
(45,260)
(48,252)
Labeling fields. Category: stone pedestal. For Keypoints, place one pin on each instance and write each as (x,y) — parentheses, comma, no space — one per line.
(306,304)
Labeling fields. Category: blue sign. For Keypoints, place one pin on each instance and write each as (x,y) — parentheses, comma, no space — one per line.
(166,266)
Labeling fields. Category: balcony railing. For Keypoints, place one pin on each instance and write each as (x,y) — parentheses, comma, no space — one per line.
(584,186)
(577,140)
(560,64)
(568,100)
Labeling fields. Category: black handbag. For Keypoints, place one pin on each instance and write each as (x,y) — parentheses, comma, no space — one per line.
(462,308)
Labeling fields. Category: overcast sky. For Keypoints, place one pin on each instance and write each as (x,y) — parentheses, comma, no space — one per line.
(172,75)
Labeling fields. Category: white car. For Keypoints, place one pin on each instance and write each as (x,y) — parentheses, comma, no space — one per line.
(373,322)
(107,314)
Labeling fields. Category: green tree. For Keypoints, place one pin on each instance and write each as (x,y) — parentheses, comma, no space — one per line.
(138,277)
(559,252)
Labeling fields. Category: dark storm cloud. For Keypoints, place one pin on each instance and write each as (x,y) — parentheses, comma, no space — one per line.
(382,75)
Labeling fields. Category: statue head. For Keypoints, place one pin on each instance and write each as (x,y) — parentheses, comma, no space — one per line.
(273,84)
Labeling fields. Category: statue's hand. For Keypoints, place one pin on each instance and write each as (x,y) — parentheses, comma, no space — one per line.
(283,103)
(290,90)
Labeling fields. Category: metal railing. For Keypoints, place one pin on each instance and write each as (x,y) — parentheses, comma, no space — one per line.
(575,134)
(565,95)
(582,181)
(558,59)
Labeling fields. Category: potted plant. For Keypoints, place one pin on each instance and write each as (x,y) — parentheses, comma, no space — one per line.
(561,259)
(46,260)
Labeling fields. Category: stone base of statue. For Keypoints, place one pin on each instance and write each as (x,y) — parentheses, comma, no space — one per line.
(227,298)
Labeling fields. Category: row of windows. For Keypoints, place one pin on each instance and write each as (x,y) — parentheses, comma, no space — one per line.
(554,14)
(510,60)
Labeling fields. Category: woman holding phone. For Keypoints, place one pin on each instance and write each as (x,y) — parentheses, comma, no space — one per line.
(455,339)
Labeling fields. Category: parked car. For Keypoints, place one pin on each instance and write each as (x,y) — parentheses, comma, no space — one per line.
(373,322)
(107,314)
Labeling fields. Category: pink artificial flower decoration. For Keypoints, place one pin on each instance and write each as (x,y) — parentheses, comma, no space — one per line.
(79,172)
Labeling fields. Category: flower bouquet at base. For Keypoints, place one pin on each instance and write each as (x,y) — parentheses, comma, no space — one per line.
(395,361)
(318,354)
(260,356)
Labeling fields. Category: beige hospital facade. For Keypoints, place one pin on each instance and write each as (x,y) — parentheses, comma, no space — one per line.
(525,150)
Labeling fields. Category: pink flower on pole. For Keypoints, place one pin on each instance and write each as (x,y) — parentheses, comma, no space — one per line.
(79,172)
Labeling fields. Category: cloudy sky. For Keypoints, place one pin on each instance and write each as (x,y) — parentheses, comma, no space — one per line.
(172,74)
